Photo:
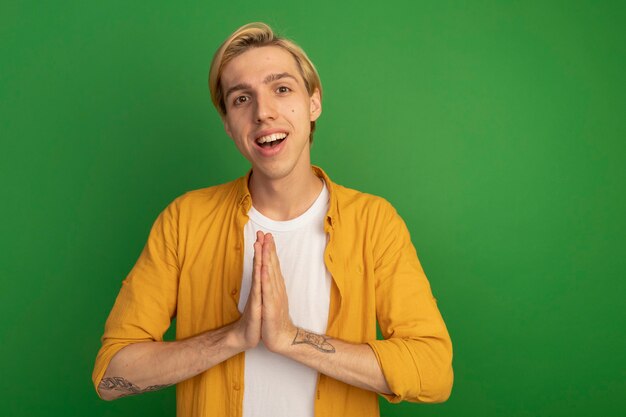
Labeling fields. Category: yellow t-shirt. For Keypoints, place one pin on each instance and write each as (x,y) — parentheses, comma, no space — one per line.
(191,268)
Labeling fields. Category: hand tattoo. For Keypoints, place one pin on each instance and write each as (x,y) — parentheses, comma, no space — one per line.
(117,383)
(319,342)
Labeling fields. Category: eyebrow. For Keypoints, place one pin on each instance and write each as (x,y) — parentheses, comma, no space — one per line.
(270,78)
(275,77)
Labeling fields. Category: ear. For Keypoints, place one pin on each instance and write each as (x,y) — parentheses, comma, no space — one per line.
(316,105)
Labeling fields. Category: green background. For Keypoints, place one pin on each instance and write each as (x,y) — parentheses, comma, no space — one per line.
(497,130)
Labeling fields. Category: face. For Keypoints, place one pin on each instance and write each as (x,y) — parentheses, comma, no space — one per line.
(269,111)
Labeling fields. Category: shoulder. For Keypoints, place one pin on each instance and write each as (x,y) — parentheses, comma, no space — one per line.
(348,202)
(358,203)
(209,195)
(206,200)
(368,218)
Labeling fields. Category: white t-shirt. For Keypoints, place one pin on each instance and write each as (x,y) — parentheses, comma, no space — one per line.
(274,385)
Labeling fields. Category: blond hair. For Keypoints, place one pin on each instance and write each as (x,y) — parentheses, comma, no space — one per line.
(256,35)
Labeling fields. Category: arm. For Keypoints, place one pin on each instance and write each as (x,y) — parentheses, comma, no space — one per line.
(414,362)
(416,355)
(151,365)
(354,364)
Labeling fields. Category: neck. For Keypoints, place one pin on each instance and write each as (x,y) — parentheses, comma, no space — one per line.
(285,198)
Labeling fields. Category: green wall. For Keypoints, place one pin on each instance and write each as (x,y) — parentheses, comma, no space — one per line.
(497,130)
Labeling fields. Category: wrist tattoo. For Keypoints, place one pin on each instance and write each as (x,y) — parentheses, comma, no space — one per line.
(117,383)
(319,342)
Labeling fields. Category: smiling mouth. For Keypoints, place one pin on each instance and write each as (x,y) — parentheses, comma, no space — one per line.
(272,140)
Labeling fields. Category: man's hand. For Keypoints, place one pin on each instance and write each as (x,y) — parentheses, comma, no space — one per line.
(277,330)
(248,327)
(140,367)
(355,364)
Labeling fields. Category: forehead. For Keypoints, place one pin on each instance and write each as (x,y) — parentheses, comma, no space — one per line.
(255,64)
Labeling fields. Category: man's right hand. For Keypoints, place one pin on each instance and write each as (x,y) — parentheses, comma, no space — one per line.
(141,367)
(248,327)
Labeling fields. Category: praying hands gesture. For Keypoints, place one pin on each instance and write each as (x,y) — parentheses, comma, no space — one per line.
(266,317)
(149,366)
(266,314)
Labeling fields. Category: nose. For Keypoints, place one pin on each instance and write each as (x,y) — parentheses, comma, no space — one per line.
(265,108)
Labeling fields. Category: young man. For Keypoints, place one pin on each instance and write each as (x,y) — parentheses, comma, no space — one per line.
(277,279)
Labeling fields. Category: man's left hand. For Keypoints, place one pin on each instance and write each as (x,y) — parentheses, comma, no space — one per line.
(277,330)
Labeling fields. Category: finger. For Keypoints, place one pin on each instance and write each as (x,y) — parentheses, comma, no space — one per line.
(270,260)
(275,263)
(268,249)
(271,281)
(271,284)
(267,257)
(266,290)
(256,260)
(274,253)
(255,299)
(256,270)
(260,236)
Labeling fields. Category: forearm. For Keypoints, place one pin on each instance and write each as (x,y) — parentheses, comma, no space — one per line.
(354,364)
(149,366)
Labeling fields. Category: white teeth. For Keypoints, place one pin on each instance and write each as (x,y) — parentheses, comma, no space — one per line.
(271,138)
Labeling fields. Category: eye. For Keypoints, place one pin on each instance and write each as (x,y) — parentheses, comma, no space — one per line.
(241,100)
(283,89)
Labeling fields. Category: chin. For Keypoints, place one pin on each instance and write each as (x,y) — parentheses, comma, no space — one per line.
(275,171)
